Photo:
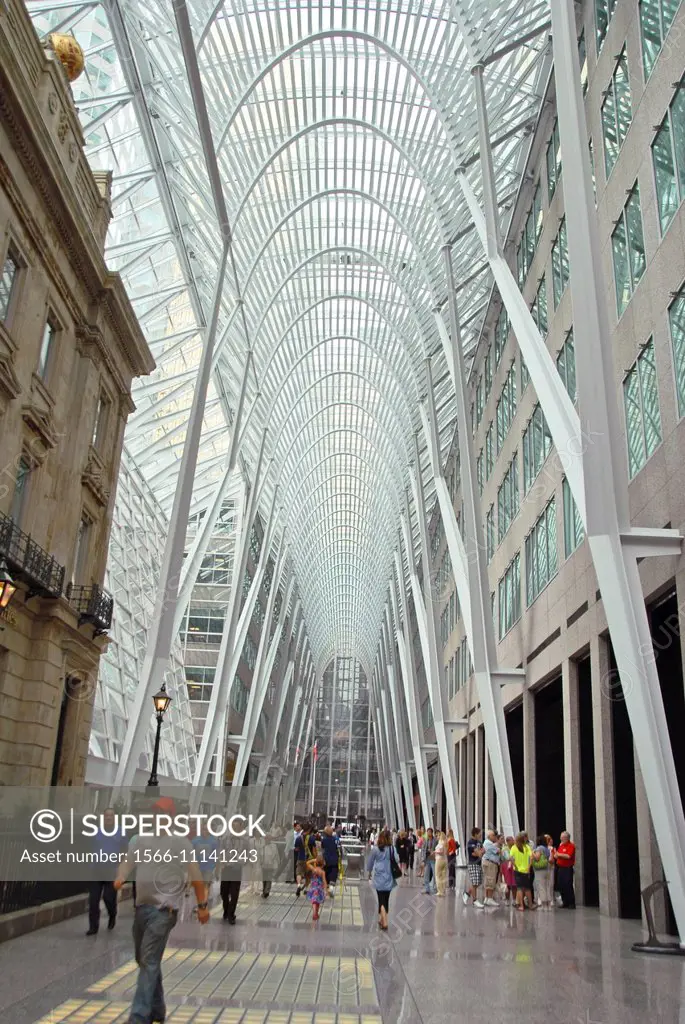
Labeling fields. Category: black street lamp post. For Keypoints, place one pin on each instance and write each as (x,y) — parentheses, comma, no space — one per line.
(161,700)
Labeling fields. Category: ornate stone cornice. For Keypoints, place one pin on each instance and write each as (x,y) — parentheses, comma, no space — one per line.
(73,199)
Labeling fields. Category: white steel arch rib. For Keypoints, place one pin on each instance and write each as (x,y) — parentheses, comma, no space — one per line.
(338,132)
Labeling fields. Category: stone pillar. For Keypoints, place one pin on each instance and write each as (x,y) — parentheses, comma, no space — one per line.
(604,776)
(478,794)
(470,769)
(530,798)
(572,776)
(489,795)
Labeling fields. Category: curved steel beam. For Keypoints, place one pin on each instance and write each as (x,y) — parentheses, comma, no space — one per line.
(340,337)
(330,298)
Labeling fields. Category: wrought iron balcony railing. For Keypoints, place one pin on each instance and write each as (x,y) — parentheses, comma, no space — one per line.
(93,604)
(28,562)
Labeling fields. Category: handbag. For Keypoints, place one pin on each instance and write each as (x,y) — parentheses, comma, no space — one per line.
(395,869)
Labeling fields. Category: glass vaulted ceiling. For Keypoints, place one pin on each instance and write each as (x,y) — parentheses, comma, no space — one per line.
(338,129)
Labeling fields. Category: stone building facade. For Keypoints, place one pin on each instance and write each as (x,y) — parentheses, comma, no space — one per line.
(69,348)
(569,735)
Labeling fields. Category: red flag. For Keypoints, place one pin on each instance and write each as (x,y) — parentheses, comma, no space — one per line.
(315,750)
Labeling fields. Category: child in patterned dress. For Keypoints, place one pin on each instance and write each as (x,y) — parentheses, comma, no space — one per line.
(316,893)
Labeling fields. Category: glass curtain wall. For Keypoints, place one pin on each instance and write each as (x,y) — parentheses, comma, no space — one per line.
(344,748)
(139,529)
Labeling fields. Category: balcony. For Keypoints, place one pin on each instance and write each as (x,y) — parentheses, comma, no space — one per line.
(42,574)
(93,604)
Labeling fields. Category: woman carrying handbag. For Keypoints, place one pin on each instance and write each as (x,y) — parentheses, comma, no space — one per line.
(383,870)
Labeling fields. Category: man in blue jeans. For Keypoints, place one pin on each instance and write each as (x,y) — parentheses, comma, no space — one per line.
(164,864)
(429,844)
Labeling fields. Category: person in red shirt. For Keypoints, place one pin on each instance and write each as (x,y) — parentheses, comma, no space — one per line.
(565,861)
(452,847)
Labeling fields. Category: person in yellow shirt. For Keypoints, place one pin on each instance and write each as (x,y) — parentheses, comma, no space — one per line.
(521,855)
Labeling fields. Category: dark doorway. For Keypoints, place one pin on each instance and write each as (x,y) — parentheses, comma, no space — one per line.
(515,736)
(549,759)
(664,623)
(588,797)
(626,807)
(68,712)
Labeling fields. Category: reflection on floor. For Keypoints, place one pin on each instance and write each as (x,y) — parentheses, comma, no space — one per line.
(282,908)
(94,1011)
(439,961)
(345,981)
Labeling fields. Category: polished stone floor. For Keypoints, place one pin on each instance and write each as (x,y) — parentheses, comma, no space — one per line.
(440,961)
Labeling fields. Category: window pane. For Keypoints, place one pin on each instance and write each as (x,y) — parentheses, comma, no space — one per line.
(624,111)
(650,398)
(636,240)
(8,280)
(678,128)
(631,396)
(46,348)
(609,131)
(619,247)
(542,307)
(676,315)
(651,33)
(664,173)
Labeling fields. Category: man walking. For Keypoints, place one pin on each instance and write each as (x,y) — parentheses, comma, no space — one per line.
(109,841)
(474,851)
(159,893)
(566,859)
(330,851)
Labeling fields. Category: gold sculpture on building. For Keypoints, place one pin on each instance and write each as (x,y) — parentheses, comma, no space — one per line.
(69,52)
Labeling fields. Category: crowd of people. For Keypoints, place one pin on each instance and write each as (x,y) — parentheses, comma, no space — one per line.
(506,871)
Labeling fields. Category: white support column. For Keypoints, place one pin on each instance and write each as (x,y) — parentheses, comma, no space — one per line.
(261,673)
(392,758)
(310,695)
(471,574)
(398,719)
(385,770)
(161,634)
(274,726)
(297,701)
(615,547)
(368,759)
(425,613)
(382,780)
(260,687)
(349,746)
(332,734)
(230,642)
(405,648)
(198,549)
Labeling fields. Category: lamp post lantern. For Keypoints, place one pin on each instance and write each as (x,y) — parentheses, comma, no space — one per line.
(161,701)
(8,587)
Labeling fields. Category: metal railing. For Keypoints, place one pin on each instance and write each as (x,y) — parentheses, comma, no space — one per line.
(93,605)
(28,561)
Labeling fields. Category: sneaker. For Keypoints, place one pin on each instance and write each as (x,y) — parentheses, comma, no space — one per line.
(92,931)
(298,891)
(465,897)
(489,902)
(478,905)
